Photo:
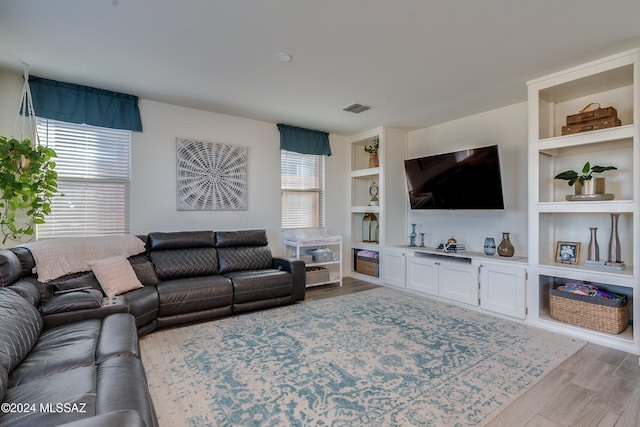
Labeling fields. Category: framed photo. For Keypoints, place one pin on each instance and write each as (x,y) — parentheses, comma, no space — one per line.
(568,252)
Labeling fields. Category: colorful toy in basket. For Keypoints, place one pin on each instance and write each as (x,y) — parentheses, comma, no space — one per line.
(587,290)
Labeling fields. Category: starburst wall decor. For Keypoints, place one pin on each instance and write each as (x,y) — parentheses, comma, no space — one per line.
(210,176)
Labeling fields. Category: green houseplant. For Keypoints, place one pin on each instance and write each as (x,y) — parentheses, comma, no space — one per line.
(28,181)
(585,176)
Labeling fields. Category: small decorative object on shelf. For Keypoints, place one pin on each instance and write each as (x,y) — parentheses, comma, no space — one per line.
(489,246)
(591,117)
(452,246)
(586,185)
(593,252)
(615,260)
(370,228)
(568,252)
(505,248)
(412,236)
(373,192)
(422,240)
(373,153)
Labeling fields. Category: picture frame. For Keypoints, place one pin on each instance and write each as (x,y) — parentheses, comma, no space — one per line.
(567,252)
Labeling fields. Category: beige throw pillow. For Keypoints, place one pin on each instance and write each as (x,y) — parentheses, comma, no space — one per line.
(115,274)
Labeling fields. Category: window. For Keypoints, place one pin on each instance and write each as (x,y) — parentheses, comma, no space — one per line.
(93,166)
(302,190)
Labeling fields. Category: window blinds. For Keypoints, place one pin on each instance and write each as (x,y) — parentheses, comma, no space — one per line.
(302,186)
(93,167)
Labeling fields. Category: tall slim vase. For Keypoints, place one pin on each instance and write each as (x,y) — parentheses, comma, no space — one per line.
(593,252)
(614,240)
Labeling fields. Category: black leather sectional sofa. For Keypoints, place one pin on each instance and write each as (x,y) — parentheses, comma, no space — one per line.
(69,355)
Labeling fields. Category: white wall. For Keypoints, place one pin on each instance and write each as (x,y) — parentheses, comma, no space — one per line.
(153,168)
(10,90)
(506,127)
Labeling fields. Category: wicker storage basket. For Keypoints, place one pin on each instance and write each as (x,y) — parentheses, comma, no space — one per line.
(368,266)
(317,275)
(600,314)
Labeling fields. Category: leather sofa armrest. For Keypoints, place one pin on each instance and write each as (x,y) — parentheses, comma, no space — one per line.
(110,419)
(80,305)
(72,300)
(297,269)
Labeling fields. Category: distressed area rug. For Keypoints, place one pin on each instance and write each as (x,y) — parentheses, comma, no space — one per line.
(374,358)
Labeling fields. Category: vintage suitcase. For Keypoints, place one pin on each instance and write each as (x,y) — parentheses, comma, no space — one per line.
(592,125)
(592,112)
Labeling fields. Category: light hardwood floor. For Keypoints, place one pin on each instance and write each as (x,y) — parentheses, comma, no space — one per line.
(597,386)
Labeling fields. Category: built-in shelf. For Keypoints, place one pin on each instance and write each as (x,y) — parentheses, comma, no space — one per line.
(390,212)
(612,81)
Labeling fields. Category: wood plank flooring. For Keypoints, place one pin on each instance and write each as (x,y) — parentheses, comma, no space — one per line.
(597,387)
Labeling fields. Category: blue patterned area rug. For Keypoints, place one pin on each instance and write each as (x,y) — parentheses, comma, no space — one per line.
(375,358)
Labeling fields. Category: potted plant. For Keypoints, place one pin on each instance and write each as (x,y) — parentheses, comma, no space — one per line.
(585,182)
(373,153)
(28,181)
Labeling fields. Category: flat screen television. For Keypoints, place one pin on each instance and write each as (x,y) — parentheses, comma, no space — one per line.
(466,179)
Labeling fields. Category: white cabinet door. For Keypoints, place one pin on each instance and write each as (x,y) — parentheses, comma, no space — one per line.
(458,282)
(502,289)
(392,267)
(422,275)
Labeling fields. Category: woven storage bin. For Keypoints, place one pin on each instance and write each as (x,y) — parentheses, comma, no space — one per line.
(599,314)
(317,275)
(368,266)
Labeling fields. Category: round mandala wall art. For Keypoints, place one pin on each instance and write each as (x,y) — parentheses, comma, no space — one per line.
(210,176)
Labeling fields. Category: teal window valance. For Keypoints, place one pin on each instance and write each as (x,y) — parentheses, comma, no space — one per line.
(73,103)
(303,141)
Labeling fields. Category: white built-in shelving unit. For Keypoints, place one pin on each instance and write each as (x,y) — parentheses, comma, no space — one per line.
(612,81)
(391,211)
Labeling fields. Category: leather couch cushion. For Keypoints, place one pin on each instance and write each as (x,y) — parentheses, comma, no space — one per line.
(75,281)
(21,326)
(180,240)
(122,386)
(145,273)
(181,263)
(118,337)
(128,418)
(244,258)
(4,382)
(193,294)
(28,289)
(260,285)
(70,301)
(115,275)
(143,304)
(10,267)
(25,257)
(227,239)
(74,386)
(59,349)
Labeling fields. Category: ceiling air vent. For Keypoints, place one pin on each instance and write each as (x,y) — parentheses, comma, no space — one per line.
(356,108)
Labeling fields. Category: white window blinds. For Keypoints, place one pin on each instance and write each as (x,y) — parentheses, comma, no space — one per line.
(93,167)
(302,190)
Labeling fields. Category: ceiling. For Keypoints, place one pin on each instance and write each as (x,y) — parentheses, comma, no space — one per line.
(415,62)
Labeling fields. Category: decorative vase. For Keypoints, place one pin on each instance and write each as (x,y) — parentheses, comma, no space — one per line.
(614,240)
(422,240)
(593,251)
(593,186)
(413,235)
(373,160)
(505,248)
(489,246)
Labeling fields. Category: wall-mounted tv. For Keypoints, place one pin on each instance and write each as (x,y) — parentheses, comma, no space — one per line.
(466,179)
